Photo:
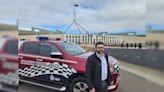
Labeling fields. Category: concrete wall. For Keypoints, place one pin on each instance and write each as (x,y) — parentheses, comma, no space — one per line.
(134,39)
(9,33)
(155,36)
(149,58)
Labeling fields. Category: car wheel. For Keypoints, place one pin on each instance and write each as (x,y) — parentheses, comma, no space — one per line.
(78,85)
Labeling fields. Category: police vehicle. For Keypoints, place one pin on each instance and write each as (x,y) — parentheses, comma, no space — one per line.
(58,65)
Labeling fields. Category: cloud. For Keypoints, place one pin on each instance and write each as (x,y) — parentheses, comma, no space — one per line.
(155,12)
(116,15)
(8,10)
(93,15)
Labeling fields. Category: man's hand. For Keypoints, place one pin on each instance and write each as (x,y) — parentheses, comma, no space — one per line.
(111,83)
(92,90)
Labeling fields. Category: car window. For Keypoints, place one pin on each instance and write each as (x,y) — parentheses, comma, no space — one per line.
(2,41)
(12,47)
(31,48)
(46,49)
(71,48)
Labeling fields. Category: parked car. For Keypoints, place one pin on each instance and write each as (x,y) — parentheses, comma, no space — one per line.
(58,65)
(8,64)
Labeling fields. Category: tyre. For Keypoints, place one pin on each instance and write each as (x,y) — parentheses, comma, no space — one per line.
(78,85)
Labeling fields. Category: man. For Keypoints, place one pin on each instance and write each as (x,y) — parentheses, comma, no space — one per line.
(98,75)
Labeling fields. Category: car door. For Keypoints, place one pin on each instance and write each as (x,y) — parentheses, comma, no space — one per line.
(47,74)
(9,58)
(27,58)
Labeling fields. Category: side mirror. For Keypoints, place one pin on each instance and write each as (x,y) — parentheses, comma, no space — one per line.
(56,55)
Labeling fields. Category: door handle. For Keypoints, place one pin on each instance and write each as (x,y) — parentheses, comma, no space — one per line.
(21,57)
(39,59)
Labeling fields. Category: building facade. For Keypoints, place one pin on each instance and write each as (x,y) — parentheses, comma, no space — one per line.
(8,30)
(87,38)
(93,38)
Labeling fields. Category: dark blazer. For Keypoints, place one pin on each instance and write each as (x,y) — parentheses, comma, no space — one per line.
(93,72)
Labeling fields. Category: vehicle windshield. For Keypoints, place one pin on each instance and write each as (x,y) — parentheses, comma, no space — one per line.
(71,48)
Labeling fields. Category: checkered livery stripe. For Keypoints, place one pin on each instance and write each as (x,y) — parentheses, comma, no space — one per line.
(53,68)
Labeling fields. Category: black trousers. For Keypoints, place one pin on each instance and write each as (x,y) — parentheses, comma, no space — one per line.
(104,87)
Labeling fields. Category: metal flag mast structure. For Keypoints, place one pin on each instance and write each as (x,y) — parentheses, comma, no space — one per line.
(79,27)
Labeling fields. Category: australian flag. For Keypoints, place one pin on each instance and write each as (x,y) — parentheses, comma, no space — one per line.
(76,5)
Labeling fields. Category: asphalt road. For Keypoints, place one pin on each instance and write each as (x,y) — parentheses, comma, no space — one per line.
(129,83)
(133,83)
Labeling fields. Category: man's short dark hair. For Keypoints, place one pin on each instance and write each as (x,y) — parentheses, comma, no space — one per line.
(99,43)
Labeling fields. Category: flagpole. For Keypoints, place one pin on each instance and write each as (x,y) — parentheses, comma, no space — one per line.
(74,12)
(79,27)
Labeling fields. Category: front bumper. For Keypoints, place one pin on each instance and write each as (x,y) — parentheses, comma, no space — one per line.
(115,83)
(113,87)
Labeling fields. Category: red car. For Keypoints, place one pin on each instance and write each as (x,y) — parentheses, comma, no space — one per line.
(8,64)
(58,65)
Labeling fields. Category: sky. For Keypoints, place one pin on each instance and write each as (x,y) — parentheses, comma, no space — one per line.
(112,16)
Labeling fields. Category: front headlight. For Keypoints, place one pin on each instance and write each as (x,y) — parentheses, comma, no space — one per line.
(115,68)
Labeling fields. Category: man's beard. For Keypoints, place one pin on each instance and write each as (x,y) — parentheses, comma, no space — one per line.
(100,52)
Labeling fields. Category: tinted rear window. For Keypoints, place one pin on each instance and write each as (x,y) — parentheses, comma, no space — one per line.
(31,48)
(46,49)
(12,47)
